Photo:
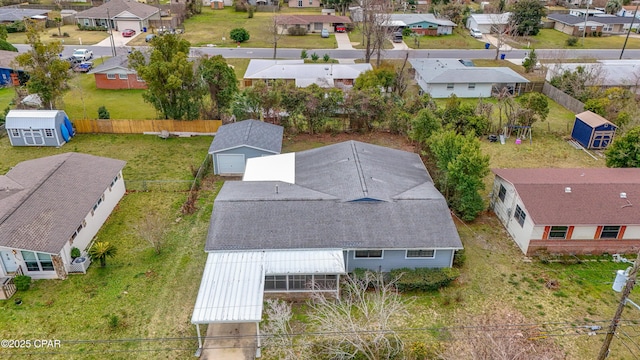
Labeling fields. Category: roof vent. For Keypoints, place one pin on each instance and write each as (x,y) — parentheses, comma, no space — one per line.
(567,190)
(623,195)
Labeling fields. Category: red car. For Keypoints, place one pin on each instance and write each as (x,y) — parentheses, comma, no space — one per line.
(128,33)
(341,28)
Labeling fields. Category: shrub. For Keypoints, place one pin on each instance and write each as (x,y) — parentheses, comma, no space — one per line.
(4,45)
(65,34)
(424,279)
(17,26)
(304,54)
(239,35)
(75,252)
(459,259)
(23,282)
(250,11)
(103,113)
(315,57)
(572,41)
(406,32)
(113,321)
(297,31)
(326,58)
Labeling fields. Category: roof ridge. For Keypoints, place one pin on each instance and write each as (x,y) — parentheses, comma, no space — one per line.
(356,160)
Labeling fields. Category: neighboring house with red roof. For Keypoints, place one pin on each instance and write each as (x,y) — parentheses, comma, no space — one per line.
(312,23)
(569,211)
(50,205)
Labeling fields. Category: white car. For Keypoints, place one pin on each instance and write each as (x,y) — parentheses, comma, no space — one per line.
(83,54)
(475,33)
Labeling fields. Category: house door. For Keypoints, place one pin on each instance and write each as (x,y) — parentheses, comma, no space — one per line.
(8,261)
(33,137)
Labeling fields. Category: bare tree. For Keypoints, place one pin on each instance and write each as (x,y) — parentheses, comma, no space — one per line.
(274,32)
(152,229)
(362,320)
(278,338)
(375,18)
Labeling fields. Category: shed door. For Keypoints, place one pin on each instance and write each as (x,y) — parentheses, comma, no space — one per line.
(230,163)
(601,139)
(33,137)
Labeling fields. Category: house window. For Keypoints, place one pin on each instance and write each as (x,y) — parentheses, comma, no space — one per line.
(519,215)
(608,27)
(15,133)
(276,282)
(558,232)
(450,86)
(138,78)
(310,2)
(299,3)
(594,28)
(368,254)
(322,282)
(123,76)
(48,133)
(317,26)
(610,232)
(502,193)
(300,282)
(581,28)
(111,76)
(37,261)
(423,254)
(472,86)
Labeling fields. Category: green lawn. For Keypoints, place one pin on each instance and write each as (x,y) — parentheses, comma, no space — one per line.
(76,36)
(7,95)
(554,39)
(457,40)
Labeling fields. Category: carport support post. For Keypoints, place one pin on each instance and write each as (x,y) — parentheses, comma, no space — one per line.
(199,337)
(258,350)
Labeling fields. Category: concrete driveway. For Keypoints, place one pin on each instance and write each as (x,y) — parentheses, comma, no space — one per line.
(400,46)
(118,39)
(344,43)
(230,342)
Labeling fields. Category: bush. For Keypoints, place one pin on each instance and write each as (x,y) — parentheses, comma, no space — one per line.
(304,54)
(315,57)
(113,321)
(17,26)
(326,58)
(103,113)
(23,282)
(406,32)
(75,252)
(4,45)
(92,28)
(424,279)
(296,31)
(459,259)
(239,35)
(250,11)
(572,41)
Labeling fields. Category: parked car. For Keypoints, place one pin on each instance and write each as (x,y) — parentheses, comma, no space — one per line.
(475,33)
(149,37)
(128,33)
(83,54)
(397,37)
(72,61)
(324,33)
(83,67)
(341,28)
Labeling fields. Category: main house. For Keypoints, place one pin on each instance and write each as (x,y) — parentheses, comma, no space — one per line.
(303,75)
(569,211)
(119,15)
(49,206)
(445,77)
(298,221)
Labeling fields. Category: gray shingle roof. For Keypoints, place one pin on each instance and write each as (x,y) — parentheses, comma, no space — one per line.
(442,71)
(117,7)
(116,62)
(324,208)
(9,14)
(252,133)
(49,197)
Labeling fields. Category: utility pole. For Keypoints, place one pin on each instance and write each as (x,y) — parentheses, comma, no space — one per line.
(604,351)
(635,13)
(113,45)
(584,29)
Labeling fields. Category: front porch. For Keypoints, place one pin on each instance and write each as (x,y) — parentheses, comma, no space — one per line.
(8,287)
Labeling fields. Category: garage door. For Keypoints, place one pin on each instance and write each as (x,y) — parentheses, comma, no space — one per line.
(134,25)
(230,163)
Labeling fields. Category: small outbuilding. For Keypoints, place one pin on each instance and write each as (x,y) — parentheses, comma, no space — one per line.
(38,127)
(234,143)
(593,131)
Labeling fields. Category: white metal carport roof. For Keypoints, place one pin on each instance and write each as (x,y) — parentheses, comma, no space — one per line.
(232,284)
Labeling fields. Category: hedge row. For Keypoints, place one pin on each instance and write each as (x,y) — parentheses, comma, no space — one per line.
(424,279)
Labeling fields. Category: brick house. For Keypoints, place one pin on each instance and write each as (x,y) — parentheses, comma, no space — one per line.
(569,211)
(115,73)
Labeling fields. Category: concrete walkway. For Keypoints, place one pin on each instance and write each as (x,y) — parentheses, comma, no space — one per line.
(230,342)
(344,43)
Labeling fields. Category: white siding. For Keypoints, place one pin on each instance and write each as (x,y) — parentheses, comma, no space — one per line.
(632,232)
(439,91)
(505,211)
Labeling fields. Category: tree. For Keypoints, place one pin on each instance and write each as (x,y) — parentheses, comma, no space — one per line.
(239,35)
(48,73)
(221,81)
(625,150)
(360,323)
(321,104)
(274,32)
(530,61)
(526,16)
(152,229)
(382,77)
(341,6)
(456,12)
(172,85)
(365,106)
(538,106)
(58,22)
(462,118)
(423,125)
(578,83)
(101,250)
(613,6)
(461,168)
(278,337)
(375,13)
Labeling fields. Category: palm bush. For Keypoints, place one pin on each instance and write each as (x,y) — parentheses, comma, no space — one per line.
(101,251)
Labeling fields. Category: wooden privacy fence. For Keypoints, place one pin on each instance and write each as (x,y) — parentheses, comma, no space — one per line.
(128,126)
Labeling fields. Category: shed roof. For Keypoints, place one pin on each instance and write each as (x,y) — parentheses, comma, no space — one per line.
(594,198)
(48,197)
(592,119)
(118,7)
(349,195)
(252,133)
(232,283)
(32,119)
(442,71)
(11,14)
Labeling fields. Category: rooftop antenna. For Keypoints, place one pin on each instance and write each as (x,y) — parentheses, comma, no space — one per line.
(277,192)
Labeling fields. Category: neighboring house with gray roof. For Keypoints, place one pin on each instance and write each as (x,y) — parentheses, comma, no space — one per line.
(569,211)
(52,204)
(123,14)
(445,77)
(611,73)
(423,24)
(299,220)
(596,24)
(115,73)
(302,75)
(10,14)
(237,142)
(311,23)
